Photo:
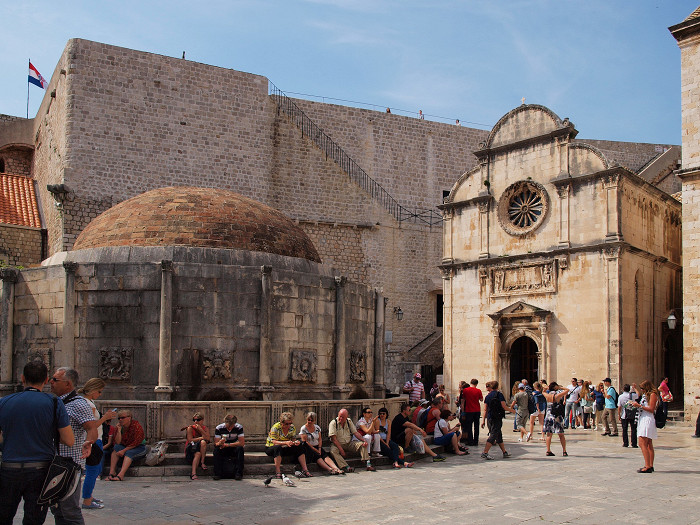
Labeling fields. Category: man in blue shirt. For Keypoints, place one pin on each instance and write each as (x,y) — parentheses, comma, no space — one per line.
(28,425)
(610,412)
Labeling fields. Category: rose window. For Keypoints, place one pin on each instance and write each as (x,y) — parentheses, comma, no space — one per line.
(523,207)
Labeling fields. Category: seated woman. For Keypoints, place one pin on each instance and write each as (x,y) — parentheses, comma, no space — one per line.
(280,442)
(389,448)
(369,428)
(446,436)
(311,435)
(129,443)
(196,447)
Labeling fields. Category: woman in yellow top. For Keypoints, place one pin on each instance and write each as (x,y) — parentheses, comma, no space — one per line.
(281,441)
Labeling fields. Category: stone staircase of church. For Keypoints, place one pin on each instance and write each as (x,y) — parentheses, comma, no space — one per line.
(257,463)
(421,216)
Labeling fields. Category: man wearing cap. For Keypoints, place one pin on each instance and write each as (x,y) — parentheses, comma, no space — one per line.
(414,388)
(28,423)
(522,415)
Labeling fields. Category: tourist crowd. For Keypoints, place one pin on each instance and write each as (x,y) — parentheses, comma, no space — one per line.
(81,431)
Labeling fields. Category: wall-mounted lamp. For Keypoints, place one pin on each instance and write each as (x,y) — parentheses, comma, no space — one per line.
(58,192)
(672,320)
(398,312)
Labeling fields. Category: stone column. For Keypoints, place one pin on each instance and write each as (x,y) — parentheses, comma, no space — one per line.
(68,357)
(496,331)
(483,229)
(164,389)
(564,226)
(543,354)
(613,230)
(7,307)
(340,387)
(448,219)
(614,318)
(379,313)
(265,353)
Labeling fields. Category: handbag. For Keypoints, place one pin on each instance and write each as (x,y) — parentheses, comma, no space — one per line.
(95,456)
(63,476)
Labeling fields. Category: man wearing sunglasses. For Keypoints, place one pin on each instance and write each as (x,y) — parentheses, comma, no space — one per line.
(84,425)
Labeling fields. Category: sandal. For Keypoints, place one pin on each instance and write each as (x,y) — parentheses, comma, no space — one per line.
(307,474)
(565,453)
(333,473)
(396,465)
(193,476)
(550,453)
(114,477)
(278,475)
(204,467)
(409,464)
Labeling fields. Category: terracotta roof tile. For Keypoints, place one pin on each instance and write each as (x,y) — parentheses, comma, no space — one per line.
(18,203)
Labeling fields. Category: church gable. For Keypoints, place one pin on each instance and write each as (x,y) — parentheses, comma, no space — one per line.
(523,123)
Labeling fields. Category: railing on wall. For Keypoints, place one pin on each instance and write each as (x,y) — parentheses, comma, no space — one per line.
(333,151)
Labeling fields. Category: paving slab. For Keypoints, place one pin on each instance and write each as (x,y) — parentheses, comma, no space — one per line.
(597,483)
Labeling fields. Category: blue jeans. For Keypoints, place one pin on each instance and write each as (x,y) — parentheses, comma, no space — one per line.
(16,484)
(392,451)
(68,512)
(91,474)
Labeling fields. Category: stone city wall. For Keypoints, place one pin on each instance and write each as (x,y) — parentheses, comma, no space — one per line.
(20,245)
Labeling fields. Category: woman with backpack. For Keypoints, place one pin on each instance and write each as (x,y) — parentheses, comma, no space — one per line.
(554,420)
(646,422)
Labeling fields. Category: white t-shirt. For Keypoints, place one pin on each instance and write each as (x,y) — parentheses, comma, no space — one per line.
(97,415)
(574,392)
(441,428)
(311,436)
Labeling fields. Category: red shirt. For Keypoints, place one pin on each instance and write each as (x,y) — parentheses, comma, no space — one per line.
(134,435)
(471,396)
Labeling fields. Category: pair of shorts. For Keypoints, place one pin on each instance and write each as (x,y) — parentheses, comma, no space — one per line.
(133,453)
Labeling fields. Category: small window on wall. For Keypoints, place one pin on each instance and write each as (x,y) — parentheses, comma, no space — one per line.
(2,165)
(445,194)
(438,310)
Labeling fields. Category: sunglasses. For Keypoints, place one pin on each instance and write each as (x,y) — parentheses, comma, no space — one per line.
(123,417)
(198,419)
(56,380)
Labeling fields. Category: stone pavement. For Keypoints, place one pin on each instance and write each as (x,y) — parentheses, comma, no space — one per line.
(597,483)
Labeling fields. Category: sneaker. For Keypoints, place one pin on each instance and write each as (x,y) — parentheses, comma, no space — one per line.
(484,455)
(97,500)
(93,505)
(506,454)
(520,440)
(438,458)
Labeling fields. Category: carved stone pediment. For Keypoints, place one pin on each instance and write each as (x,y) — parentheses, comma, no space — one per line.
(523,279)
(216,364)
(115,363)
(521,309)
(304,364)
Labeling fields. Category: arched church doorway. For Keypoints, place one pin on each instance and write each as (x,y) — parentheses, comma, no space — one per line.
(673,367)
(523,361)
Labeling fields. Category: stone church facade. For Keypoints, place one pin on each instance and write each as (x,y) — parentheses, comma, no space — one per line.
(557,262)
(363,185)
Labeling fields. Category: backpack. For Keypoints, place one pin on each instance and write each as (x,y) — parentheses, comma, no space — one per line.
(496,408)
(558,409)
(531,405)
(423,418)
(660,415)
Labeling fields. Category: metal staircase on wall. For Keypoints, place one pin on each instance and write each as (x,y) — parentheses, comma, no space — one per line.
(426,217)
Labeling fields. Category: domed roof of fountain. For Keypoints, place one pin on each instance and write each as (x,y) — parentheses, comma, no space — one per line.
(198,217)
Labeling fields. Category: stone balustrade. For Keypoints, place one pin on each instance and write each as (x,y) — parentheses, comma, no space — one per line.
(162,420)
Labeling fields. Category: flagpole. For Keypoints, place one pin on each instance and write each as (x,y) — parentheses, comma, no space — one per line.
(30,61)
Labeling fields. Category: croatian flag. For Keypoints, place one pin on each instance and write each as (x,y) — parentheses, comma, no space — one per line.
(36,78)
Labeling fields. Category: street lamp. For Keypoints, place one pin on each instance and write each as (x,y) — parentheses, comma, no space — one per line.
(671,320)
(398,312)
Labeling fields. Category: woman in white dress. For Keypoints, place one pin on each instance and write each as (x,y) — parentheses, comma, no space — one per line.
(646,422)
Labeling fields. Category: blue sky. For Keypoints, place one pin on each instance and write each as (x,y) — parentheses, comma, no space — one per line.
(611,66)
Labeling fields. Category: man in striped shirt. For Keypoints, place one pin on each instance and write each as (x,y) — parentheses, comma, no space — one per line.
(414,388)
